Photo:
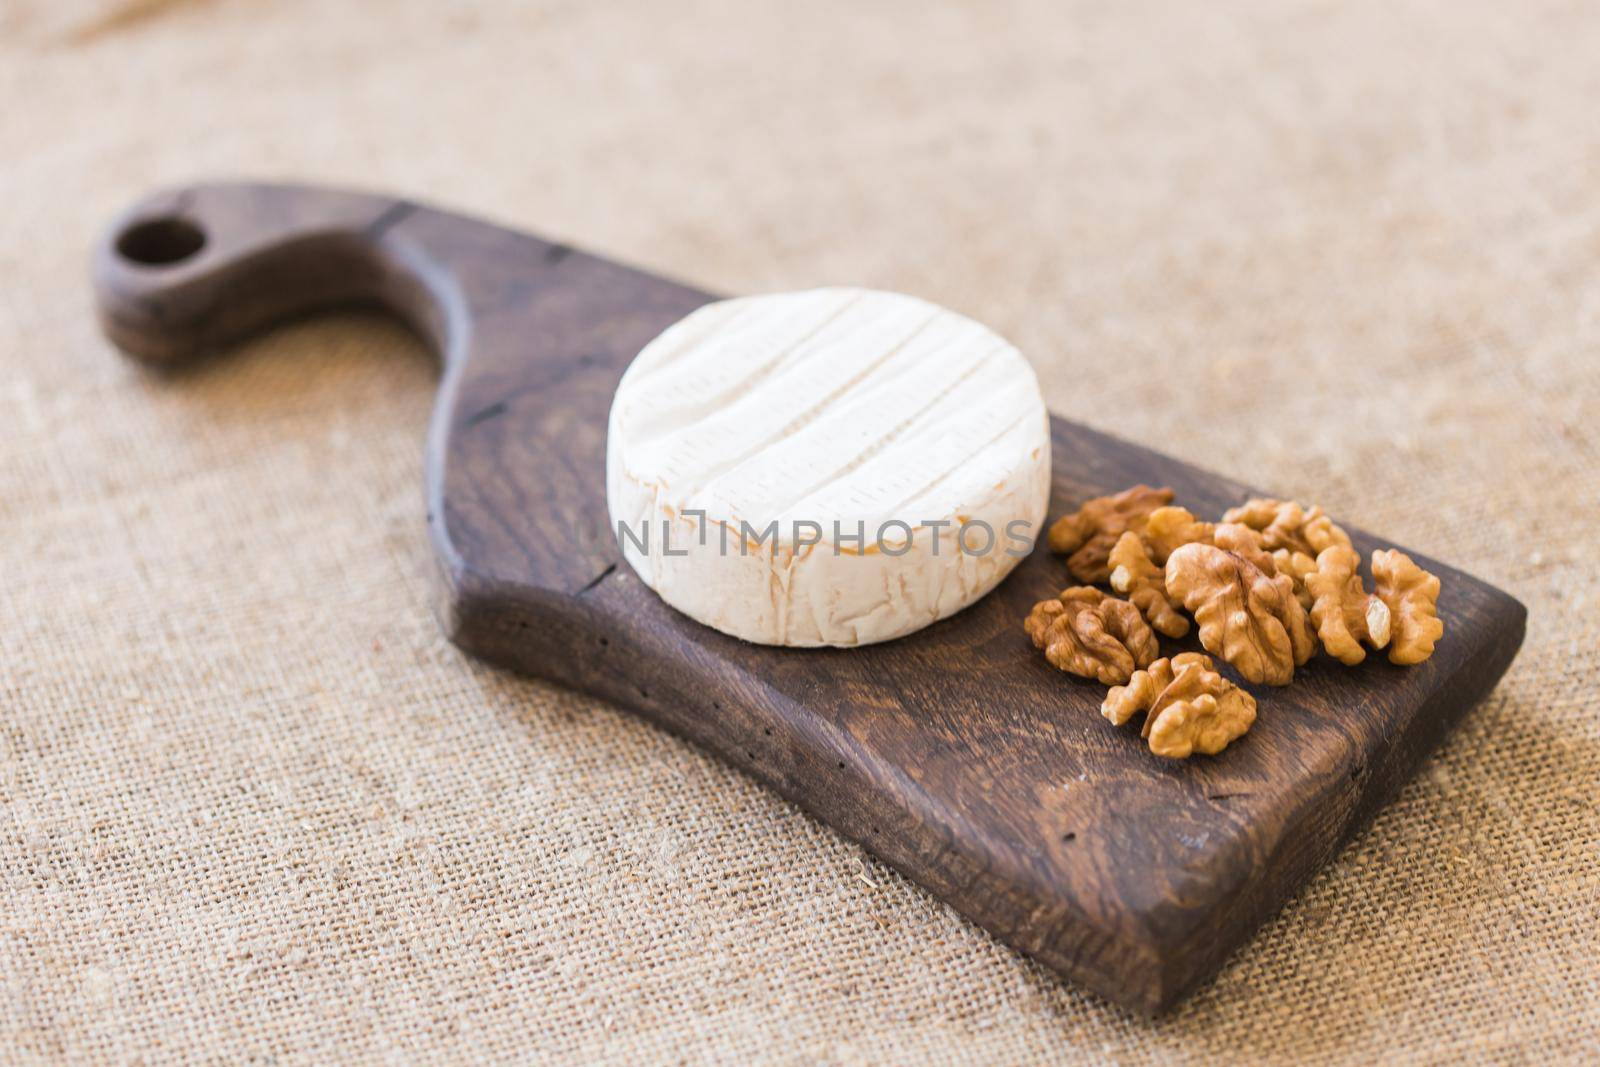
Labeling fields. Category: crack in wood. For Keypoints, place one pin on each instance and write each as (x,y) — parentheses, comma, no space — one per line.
(492,411)
(391,216)
(597,579)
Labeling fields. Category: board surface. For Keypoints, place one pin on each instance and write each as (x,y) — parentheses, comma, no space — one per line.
(956,754)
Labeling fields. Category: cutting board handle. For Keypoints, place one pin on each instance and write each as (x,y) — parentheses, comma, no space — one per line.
(190,270)
(533,336)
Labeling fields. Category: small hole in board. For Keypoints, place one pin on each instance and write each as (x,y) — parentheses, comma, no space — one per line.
(160,242)
(1070,835)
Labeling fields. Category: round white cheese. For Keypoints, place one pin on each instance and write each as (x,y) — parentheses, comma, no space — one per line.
(831,467)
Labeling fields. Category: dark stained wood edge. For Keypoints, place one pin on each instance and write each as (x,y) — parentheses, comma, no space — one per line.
(1151,973)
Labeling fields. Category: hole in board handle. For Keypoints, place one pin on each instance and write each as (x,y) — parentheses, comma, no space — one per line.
(160,242)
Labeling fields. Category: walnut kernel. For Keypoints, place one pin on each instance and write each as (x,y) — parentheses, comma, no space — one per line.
(1250,618)
(1412,596)
(1170,528)
(1242,541)
(1083,631)
(1190,707)
(1089,533)
(1285,524)
(1298,566)
(1342,610)
(1135,576)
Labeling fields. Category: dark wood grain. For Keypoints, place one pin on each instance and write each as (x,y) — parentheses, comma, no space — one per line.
(956,754)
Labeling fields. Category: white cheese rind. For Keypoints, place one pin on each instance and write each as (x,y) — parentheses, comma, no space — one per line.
(853,407)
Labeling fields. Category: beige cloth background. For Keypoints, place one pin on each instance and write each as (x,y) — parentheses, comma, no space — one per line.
(252,806)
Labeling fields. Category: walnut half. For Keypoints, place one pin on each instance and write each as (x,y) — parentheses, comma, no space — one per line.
(1298,566)
(1285,524)
(1412,596)
(1248,617)
(1089,533)
(1344,613)
(1245,543)
(1170,528)
(1191,708)
(1135,576)
(1087,633)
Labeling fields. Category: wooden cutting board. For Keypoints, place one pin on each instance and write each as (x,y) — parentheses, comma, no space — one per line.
(956,754)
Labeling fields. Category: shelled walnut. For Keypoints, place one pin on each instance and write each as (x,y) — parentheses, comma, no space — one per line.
(1087,633)
(1285,524)
(1297,565)
(1247,617)
(1089,533)
(1412,596)
(1190,707)
(1242,541)
(1135,575)
(1268,585)
(1344,613)
(1170,528)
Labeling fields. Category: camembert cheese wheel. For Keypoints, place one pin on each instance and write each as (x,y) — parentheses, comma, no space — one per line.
(830,467)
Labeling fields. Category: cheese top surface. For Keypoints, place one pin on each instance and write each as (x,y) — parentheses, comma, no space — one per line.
(830,467)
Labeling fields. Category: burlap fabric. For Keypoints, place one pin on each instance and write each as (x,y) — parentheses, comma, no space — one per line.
(252,806)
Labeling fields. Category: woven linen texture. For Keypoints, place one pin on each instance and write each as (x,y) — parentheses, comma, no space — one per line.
(253,806)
